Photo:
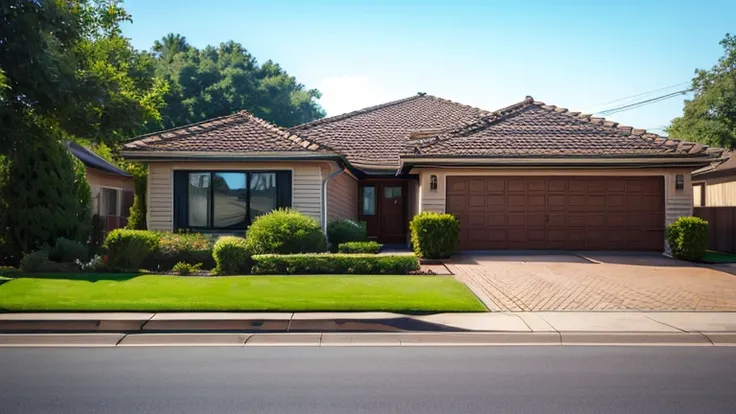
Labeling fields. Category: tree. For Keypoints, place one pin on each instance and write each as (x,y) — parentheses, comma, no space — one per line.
(66,73)
(217,81)
(710,117)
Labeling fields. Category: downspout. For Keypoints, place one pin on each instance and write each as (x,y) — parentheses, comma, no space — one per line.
(324,199)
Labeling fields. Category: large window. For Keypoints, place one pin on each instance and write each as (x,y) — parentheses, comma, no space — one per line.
(227,200)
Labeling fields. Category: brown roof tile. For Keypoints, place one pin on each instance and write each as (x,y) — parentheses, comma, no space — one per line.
(239,132)
(377,135)
(532,128)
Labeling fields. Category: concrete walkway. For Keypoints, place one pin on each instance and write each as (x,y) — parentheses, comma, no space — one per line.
(368,329)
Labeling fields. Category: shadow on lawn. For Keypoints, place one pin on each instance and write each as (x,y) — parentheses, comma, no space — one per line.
(89,277)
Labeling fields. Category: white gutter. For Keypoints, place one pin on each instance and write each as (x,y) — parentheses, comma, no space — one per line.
(324,199)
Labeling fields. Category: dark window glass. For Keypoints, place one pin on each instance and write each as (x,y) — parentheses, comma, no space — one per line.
(230,199)
(198,199)
(110,202)
(369,201)
(262,194)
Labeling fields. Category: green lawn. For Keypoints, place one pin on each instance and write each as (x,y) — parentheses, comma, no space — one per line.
(237,293)
(712,256)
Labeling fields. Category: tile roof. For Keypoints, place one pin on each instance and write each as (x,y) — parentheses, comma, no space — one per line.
(719,168)
(376,136)
(533,129)
(239,132)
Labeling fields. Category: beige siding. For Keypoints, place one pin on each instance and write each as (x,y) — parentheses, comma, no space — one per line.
(342,198)
(306,186)
(98,179)
(720,192)
(697,195)
(677,202)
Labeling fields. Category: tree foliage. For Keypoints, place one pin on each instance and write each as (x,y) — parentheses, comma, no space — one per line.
(217,81)
(710,117)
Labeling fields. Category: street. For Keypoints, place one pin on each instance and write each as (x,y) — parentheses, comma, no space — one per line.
(369,380)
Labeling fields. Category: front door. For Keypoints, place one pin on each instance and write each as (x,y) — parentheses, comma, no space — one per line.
(383,208)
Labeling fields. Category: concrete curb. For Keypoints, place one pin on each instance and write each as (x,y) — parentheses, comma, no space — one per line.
(331,339)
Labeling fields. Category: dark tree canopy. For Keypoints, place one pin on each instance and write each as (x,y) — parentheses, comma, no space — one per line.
(710,117)
(216,81)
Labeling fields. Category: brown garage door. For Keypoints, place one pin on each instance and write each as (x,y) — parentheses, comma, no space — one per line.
(625,213)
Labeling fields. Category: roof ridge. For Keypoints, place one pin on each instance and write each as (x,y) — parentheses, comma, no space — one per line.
(242,115)
(482,122)
(306,143)
(671,144)
(354,113)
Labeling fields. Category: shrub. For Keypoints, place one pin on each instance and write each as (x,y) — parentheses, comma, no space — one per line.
(285,231)
(68,251)
(126,249)
(360,247)
(137,218)
(434,235)
(181,247)
(184,269)
(231,255)
(687,238)
(334,263)
(43,194)
(35,262)
(342,231)
(97,234)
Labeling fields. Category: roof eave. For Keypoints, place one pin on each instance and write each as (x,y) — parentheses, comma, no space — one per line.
(409,162)
(227,156)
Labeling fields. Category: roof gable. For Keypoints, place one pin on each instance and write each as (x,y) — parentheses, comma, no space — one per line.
(376,136)
(534,129)
(240,132)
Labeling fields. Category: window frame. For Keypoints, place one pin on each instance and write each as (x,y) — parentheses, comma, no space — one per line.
(211,195)
(375,200)
(103,201)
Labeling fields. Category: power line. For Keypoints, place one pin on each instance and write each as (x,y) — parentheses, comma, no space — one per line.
(649,101)
(644,93)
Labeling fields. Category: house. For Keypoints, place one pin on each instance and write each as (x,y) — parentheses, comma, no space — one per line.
(715,185)
(112,188)
(528,176)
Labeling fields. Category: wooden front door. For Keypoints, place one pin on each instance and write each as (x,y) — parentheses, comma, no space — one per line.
(382,206)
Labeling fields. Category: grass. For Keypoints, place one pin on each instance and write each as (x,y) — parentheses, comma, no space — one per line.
(712,256)
(84,292)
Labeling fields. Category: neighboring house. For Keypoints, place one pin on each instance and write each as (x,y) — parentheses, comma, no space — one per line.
(112,188)
(529,176)
(715,185)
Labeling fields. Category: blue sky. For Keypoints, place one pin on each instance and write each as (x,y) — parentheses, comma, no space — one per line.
(490,54)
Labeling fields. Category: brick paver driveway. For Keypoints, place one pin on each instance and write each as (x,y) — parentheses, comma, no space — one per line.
(602,281)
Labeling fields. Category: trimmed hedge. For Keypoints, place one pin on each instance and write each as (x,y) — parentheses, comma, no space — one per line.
(191,248)
(434,235)
(360,247)
(343,231)
(231,256)
(687,238)
(127,249)
(334,263)
(285,231)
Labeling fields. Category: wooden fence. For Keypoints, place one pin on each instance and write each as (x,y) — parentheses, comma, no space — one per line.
(721,227)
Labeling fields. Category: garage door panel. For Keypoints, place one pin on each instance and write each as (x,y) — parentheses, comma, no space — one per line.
(558,212)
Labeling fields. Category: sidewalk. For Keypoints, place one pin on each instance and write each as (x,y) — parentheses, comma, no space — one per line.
(322,329)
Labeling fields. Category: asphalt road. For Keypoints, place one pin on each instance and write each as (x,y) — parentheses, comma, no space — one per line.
(369,380)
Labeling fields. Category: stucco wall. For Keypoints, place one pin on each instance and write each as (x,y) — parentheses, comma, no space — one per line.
(306,186)
(677,202)
(342,198)
(98,179)
(720,192)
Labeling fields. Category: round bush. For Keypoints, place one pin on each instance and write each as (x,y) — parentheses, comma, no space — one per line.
(231,256)
(343,231)
(285,232)
(68,251)
(126,249)
(687,238)
(434,235)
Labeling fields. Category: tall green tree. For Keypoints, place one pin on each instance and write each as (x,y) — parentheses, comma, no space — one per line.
(66,73)
(710,117)
(217,81)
